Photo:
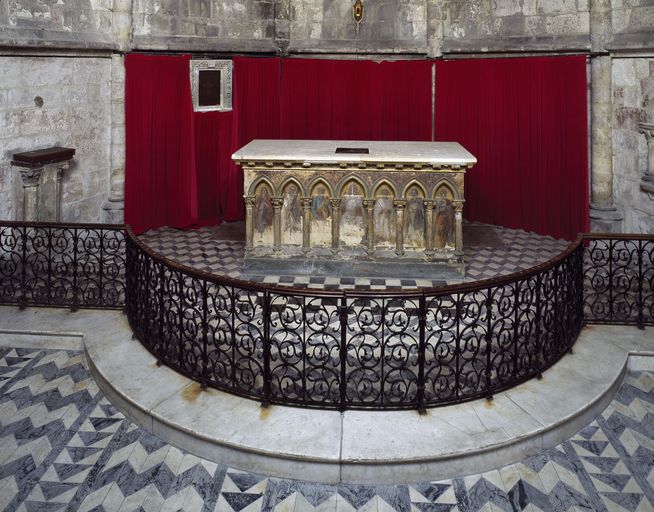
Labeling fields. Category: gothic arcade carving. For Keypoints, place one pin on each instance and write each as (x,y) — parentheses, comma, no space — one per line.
(345,208)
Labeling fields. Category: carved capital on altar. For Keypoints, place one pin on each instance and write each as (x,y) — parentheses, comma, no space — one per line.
(306,203)
(250,201)
(458,205)
(335,202)
(277,202)
(400,204)
(369,204)
(429,205)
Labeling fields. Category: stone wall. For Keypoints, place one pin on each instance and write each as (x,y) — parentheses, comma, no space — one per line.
(82,23)
(633,102)
(204,25)
(82,37)
(57,101)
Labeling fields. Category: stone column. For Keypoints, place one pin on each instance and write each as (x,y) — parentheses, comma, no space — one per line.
(249,222)
(31,180)
(306,224)
(603,213)
(369,204)
(429,228)
(122,33)
(115,205)
(458,219)
(59,175)
(336,223)
(647,129)
(399,226)
(277,203)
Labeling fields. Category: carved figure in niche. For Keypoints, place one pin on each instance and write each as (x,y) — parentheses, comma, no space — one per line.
(263,211)
(444,215)
(291,212)
(383,216)
(353,227)
(320,207)
(414,223)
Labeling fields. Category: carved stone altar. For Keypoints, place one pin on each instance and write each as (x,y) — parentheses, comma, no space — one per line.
(354,207)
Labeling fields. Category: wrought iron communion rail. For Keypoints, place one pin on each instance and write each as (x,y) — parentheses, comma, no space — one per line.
(335,349)
(62,265)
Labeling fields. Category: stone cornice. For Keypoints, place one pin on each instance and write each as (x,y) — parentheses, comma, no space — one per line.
(290,165)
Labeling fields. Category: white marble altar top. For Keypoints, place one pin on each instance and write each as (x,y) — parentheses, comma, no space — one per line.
(324,151)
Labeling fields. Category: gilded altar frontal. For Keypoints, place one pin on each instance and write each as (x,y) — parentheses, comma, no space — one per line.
(354,207)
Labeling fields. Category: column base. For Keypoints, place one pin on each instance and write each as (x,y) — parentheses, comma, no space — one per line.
(114,211)
(605,219)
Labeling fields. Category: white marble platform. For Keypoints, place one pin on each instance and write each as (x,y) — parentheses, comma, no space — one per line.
(355,446)
(324,151)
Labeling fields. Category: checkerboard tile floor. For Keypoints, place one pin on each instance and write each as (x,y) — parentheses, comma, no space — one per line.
(204,249)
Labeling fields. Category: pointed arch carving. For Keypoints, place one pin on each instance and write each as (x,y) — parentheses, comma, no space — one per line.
(261,180)
(352,178)
(384,182)
(418,185)
(453,189)
(294,181)
(316,182)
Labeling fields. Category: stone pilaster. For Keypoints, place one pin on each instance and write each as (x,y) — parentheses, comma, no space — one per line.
(121,24)
(458,222)
(306,224)
(603,212)
(429,228)
(277,203)
(336,223)
(114,206)
(369,204)
(249,224)
(647,183)
(400,204)
(31,181)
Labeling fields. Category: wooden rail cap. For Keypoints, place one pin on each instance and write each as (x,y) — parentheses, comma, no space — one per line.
(41,157)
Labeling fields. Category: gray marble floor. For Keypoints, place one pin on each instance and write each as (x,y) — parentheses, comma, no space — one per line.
(489,251)
(63,446)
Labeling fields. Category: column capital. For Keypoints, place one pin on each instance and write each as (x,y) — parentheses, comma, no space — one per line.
(369,203)
(335,201)
(306,202)
(277,202)
(458,205)
(647,129)
(31,177)
(399,203)
(249,201)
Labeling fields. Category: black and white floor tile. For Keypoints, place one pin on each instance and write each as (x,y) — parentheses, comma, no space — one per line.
(63,446)
(490,251)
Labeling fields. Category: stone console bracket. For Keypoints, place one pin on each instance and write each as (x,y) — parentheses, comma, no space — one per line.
(41,172)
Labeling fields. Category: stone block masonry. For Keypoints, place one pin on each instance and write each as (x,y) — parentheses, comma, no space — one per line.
(57,101)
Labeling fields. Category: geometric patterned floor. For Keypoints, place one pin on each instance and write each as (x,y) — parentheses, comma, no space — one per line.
(63,446)
(490,251)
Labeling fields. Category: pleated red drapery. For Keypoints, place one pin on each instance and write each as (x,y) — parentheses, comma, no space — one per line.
(525,119)
(354,99)
(256,116)
(160,175)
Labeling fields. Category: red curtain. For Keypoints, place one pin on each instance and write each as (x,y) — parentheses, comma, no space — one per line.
(255,116)
(160,175)
(214,146)
(525,119)
(346,99)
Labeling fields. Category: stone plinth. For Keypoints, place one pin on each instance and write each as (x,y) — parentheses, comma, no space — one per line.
(354,207)
(42,171)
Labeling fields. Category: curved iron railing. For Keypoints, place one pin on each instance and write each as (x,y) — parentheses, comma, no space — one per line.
(364,350)
(335,349)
